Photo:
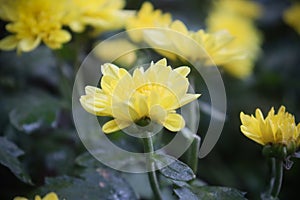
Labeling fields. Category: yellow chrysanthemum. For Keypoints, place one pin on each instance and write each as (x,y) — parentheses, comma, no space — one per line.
(238,21)
(292,15)
(153,94)
(49,196)
(32,22)
(102,15)
(147,17)
(277,128)
(212,48)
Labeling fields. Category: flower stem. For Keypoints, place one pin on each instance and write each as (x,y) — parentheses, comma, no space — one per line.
(148,148)
(193,154)
(277,167)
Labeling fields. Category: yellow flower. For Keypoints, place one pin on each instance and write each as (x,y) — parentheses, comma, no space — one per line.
(49,196)
(33,21)
(153,95)
(238,21)
(277,128)
(292,15)
(102,15)
(212,48)
(147,17)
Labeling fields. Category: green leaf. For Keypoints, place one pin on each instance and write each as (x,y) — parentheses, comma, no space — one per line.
(35,111)
(185,194)
(100,183)
(216,193)
(9,154)
(175,169)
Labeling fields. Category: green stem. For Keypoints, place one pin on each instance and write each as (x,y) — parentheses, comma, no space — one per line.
(193,154)
(277,166)
(148,148)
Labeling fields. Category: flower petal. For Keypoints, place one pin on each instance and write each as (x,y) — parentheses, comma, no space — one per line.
(158,114)
(28,44)
(183,71)
(8,43)
(51,196)
(174,122)
(20,198)
(114,125)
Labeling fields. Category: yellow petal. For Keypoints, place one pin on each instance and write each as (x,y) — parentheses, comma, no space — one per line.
(91,90)
(252,136)
(114,125)
(174,122)
(138,77)
(245,119)
(179,26)
(187,98)
(162,62)
(141,105)
(93,107)
(51,196)
(20,198)
(158,114)
(76,26)
(110,69)
(8,43)
(60,36)
(259,115)
(183,71)
(108,84)
(28,44)
(37,197)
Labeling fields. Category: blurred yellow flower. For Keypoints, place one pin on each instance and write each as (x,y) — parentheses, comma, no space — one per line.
(146,17)
(292,15)
(119,51)
(102,15)
(153,95)
(31,22)
(49,196)
(211,48)
(238,21)
(277,128)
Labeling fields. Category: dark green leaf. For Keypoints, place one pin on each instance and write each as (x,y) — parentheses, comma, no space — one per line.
(9,153)
(185,194)
(100,183)
(175,169)
(216,193)
(35,111)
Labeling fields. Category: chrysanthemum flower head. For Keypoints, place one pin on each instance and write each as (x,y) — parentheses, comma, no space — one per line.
(49,196)
(146,17)
(102,15)
(292,15)
(33,21)
(153,94)
(277,128)
(210,48)
(237,17)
